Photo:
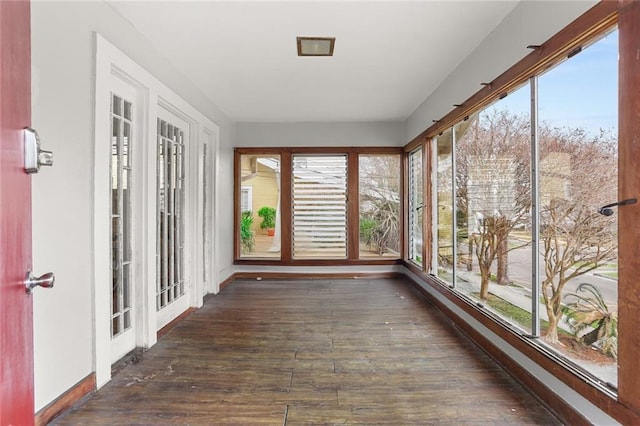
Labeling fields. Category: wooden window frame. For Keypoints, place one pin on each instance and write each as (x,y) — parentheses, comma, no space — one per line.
(353,232)
(624,405)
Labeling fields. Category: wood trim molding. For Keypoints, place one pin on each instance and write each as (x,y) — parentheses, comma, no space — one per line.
(405,207)
(629,216)
(587,389)
(319,262)
(167,328)
(66,401)
(237,184)
(226,282)
(315,276)
(590,24)
(321,150)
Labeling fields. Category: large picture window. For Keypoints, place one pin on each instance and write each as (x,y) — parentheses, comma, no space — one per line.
(518,227)
(301,206)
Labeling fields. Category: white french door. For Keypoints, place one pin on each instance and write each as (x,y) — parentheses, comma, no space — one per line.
(122,313)
(171,191)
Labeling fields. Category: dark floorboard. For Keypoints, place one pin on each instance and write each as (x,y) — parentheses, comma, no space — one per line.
(312,352)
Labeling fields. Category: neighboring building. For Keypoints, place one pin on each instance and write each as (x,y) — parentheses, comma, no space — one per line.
(260,186)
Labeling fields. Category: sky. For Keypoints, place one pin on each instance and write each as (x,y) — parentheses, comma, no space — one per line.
(580,92)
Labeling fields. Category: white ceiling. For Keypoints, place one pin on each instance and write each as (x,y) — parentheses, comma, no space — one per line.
(389,56)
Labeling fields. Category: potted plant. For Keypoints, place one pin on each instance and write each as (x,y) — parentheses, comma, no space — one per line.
(268,215)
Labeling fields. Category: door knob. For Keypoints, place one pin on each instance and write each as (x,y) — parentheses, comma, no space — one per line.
(44,281)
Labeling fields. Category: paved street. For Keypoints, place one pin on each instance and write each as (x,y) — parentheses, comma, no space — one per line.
(520,272)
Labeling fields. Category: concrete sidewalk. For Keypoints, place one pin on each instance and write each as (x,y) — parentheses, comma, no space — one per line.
(469,282)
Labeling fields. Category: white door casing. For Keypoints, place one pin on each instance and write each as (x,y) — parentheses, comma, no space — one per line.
(152,99)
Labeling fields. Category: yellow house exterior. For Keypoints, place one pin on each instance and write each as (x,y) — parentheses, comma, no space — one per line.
(259,186)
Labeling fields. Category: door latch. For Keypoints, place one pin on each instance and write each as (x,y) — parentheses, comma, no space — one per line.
(607,211)
(34,156)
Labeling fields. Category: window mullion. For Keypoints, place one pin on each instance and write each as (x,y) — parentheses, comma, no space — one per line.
(353,204)
(454,216)
(427,209)
(535,212)
(286,176)
(120,295)
(169,211)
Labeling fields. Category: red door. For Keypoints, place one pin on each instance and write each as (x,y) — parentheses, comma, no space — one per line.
(16,318)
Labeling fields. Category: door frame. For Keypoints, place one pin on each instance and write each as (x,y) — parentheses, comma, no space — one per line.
(152,95)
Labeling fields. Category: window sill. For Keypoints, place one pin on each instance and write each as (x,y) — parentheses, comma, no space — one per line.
(317,262)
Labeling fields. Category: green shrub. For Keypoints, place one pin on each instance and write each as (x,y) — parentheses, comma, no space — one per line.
(367,229)
(593,322)
(246,233)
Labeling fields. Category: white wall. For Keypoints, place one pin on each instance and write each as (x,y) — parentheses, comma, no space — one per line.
(224,210)
(319,134)
(530,23)
(63,61)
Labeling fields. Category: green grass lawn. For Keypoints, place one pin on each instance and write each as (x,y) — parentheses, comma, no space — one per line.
(610,274)
(512,312)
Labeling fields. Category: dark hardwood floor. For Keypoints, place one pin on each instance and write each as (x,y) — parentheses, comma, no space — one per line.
(308,352)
